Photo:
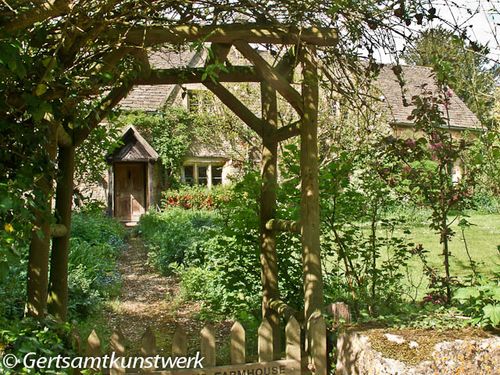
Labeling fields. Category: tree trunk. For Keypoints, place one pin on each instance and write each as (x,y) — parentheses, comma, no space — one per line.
(446,253)
(58,285)
(38,257)
(310,220)
(268,255)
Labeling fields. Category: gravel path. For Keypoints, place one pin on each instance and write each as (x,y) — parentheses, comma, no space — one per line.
(148,299)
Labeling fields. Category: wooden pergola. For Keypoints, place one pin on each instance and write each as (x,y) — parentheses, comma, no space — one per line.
(302,45)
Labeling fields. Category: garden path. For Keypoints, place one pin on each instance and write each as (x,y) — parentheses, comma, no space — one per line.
(149,299)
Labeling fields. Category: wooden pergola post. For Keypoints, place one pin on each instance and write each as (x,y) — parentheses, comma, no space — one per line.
(309,220)
(269,183)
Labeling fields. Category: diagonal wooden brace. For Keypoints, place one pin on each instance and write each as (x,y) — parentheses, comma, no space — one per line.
(276,80)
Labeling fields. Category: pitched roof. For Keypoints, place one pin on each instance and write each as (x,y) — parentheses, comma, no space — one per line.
(154,97)
(461,117)
(135,148)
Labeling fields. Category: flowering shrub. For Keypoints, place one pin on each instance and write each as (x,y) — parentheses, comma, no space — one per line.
(196,198)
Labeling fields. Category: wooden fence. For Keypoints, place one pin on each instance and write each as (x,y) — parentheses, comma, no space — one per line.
(267,364)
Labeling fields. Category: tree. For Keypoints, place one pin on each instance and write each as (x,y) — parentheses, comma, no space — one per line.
(423,170)
(461,64)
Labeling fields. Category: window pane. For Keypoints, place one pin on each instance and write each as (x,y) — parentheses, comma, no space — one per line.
(202,175)
(216,175)
(189,174)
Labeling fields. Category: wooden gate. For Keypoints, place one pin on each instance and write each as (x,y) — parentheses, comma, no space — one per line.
(288,362)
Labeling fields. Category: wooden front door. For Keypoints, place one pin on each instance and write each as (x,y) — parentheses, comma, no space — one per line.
(130,190)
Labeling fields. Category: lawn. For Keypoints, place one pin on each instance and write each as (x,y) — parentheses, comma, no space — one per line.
(482,238)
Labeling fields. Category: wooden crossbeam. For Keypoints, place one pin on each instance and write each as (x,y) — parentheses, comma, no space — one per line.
(251,33)
(276,80)
(287,132)
(196,75)
(283,225)
(220,52)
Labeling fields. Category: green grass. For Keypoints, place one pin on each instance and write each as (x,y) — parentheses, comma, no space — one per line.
(482,238)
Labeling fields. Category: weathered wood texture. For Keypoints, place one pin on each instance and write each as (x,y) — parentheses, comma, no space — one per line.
(269,185)
(271,75)
(310,223)
(317,340)
(283,225)
(207,345)
(198,75)
(251,33)
(265,366)
(235,105)
(238,341)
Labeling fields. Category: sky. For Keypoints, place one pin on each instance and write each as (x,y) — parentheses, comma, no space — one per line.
(484,26)
(482,23)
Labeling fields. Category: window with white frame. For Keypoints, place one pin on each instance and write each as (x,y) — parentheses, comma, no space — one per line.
(205,174)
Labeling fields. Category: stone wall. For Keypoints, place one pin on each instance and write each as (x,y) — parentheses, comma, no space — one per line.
(471,356)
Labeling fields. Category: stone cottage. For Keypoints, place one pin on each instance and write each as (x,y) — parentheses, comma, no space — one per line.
(133,184)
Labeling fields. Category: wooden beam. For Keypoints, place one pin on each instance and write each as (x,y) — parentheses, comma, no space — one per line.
(196,75)
(219,52)
(283,225)
(269,185)
(252,33)
(287,131)
(309,215)
(235,105)
(284,310)
(275,79)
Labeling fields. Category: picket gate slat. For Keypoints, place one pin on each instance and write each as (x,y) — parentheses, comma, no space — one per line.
(317,339)
(77,344)
(290,365)
(237,344)
(148,347)
(207,346)
(93,345)
(117,345)
(292,334)
(179,342)
(265,341)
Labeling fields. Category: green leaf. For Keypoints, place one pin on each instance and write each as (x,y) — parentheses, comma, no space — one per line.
(41,89)
(492,312)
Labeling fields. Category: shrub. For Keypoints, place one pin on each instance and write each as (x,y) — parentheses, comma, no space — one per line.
(176,236)
(44,338)
(196,197)
(96,242)
(481,302)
